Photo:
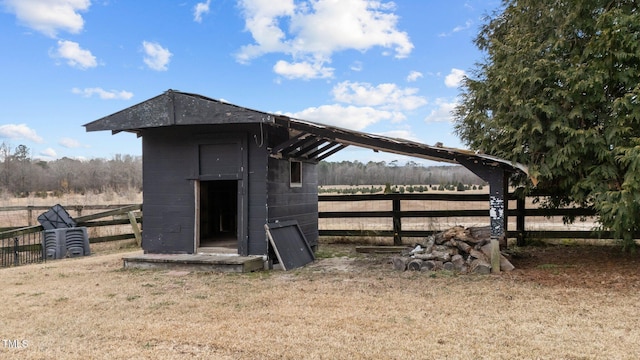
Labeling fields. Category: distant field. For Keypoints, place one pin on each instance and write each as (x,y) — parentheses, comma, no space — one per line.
(19,218)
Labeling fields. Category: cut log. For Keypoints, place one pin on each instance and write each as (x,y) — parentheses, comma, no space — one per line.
(428,243)
(480,232)
(486,250)
(456,249)
(400,262)
(480,267)
(428,265)
(479,255)
(434,255)
(415,265)
(385,249)
(463,246)
(454,232)
(451,250)
(458,262)
(505,264)
(461,234)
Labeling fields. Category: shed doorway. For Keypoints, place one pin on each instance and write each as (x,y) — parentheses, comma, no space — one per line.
(218,216)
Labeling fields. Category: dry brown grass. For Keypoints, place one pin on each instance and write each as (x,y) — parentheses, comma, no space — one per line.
(343,306)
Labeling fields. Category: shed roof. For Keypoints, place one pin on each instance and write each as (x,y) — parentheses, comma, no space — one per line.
(308,140)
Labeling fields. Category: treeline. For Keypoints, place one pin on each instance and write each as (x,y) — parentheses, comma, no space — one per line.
(20,175)
(379,173)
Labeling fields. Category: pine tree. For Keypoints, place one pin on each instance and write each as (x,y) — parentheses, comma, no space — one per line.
(558,91)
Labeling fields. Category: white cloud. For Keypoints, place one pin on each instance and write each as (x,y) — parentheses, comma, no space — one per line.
(414,76)
(261,19)
(19,131)
(156,57)
(364,105)
(350,117)
(200,9)
(300,29)
(103,94)
(48,153)
(454,78)
(356,66)
(302,70)
(467,25)
(49,16)
(75,55)
(443,113)
(401,134)
(69,143)
(386,96)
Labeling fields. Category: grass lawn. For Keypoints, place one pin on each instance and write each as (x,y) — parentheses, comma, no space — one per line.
(562,302)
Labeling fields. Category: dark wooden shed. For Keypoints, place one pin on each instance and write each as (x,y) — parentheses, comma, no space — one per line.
(215,173)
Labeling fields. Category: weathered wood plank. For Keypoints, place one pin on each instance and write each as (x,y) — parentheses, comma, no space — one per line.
(134,226)
(380,249)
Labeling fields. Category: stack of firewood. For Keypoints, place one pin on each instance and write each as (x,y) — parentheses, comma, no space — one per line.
(456,249)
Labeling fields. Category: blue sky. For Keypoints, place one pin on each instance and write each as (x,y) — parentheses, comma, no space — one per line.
(382,67)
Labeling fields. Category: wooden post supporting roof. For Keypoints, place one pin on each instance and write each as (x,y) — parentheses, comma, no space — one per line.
(498,179)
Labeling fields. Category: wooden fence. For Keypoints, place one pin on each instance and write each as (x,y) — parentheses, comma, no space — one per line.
(396,211)
(476,206)
(24,244)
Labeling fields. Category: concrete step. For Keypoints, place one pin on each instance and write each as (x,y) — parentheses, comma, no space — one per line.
(195,262)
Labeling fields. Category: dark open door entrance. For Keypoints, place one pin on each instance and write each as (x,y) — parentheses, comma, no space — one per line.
(218,214)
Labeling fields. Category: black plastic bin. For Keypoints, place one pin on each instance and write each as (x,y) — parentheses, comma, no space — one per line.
(56,218)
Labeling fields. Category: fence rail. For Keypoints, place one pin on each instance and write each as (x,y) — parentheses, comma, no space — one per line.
(520,215)
(23,245)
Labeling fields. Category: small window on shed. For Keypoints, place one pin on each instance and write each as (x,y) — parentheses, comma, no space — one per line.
(295,172)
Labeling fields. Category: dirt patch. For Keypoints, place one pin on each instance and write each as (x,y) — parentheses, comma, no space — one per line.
(576,266)
(593,267)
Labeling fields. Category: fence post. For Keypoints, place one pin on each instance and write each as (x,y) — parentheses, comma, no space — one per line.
(135,227)
(16,258)
(397,222)
(29,215)
(520,204)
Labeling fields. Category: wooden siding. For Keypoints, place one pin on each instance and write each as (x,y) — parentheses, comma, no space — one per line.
(294,203)
(221,160)
(257,197)
(176,157)
(168,170)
